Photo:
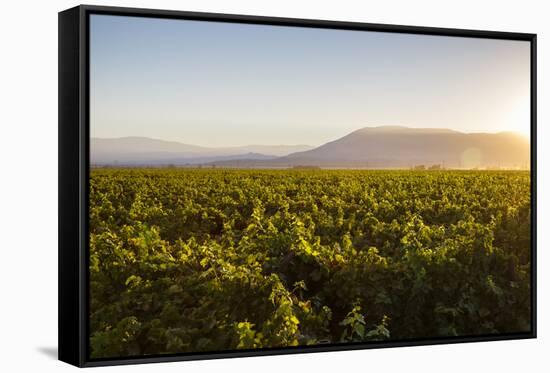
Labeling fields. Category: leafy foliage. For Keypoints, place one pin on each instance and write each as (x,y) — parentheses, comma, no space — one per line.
(202,260)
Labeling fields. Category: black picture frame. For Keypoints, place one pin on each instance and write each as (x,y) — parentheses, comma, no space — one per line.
(74,166)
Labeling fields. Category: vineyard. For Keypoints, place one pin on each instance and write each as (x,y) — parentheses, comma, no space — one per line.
(197,260)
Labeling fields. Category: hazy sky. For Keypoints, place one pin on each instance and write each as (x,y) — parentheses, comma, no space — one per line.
(227,84)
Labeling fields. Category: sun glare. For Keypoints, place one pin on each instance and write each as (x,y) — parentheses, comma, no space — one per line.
(520,120)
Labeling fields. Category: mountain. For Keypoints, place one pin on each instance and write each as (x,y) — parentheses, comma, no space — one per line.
(369,147)
(147,151)
(176,159)
(404,147)
(141,144)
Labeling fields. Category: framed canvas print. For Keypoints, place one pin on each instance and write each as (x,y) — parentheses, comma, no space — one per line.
(238,185)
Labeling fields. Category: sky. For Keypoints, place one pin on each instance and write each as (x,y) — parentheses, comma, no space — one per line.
(226,84)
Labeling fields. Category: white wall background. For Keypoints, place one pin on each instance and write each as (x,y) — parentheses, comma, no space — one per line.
(28,184)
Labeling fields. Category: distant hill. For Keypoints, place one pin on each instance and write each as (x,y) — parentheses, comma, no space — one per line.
(147,151)
(369,147)
(403,147)
(141,144)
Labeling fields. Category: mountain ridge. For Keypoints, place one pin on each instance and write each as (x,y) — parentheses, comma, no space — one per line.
(144,150)
(366,147)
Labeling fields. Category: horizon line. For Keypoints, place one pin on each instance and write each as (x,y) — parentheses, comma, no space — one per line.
(313,146)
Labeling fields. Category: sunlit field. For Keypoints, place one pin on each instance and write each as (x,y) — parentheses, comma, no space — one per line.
(187,260)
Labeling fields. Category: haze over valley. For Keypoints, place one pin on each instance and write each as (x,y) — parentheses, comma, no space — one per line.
(368,147)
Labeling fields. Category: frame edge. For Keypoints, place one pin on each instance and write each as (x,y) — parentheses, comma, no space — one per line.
(69,189)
